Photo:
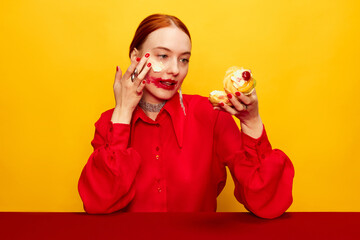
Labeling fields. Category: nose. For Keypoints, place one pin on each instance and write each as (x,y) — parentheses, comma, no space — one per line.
(173,67)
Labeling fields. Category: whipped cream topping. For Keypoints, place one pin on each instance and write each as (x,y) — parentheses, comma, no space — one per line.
(217,92)
(157,66)
(237,78)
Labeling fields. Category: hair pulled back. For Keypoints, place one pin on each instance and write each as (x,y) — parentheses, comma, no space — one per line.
(152,23)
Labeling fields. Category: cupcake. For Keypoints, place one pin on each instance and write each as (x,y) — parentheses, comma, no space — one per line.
(239,80)
(218,96)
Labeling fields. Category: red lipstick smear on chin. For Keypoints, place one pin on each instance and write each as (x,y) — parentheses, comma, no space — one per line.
(166,84)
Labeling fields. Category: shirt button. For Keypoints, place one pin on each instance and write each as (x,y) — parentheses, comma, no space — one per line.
(157,149)
(259,143)
(157,156)
(159,189)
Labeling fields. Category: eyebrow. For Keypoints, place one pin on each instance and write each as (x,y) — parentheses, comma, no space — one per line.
(164,48)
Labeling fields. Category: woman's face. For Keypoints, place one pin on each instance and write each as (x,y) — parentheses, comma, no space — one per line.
(170,50)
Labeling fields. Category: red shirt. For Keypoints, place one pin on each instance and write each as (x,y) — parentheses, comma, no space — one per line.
(177,163)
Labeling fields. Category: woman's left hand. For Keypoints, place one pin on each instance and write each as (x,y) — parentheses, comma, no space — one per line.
(246,109)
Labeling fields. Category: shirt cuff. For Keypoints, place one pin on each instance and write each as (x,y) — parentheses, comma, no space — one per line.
(119,134)
(261,145)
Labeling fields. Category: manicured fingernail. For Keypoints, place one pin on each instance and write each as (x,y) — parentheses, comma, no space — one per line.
(138,59)
(222,104)
(143,82)
(238,94)
(149,65)
(229,96)
(117,68)
(147,55)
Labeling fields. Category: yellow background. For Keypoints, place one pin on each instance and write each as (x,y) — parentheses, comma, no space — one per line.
(58,60)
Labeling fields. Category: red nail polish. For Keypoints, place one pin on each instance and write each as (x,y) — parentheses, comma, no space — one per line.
(149,64)
(117,68)
(143,82)
(229,96)
(138,59)
(238,94)
(147,55)
(222,104)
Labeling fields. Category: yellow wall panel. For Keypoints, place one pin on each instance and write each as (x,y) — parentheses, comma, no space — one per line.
(57,64)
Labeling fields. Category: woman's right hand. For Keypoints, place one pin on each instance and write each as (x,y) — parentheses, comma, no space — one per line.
(127,92)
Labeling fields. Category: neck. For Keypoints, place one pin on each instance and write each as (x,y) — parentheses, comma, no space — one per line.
(150,98)
(151,115)
(151,110)
(149,107)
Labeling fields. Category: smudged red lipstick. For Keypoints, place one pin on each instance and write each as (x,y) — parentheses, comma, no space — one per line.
(167,84)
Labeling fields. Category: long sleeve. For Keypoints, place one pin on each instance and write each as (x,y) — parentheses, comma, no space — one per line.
(106,183)
(263,177)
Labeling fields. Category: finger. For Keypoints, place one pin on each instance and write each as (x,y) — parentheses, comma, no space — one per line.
(243,98)
(142,62)
(228,109)
(236,103)
(142,75)
(118,74)
(130,70)
(220,109)
(141,87)
(253,95)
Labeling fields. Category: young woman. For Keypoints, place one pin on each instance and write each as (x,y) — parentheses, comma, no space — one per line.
(160,151)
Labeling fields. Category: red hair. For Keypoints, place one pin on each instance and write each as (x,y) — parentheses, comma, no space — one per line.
(152,23)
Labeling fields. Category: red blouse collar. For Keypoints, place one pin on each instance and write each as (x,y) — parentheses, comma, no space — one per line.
(174,109)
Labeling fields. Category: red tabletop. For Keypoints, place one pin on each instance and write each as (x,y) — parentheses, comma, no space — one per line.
(20,225)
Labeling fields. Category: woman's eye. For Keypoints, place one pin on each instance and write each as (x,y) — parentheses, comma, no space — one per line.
(163,56)
(184,60)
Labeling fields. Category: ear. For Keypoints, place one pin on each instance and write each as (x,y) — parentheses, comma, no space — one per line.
(134,54)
